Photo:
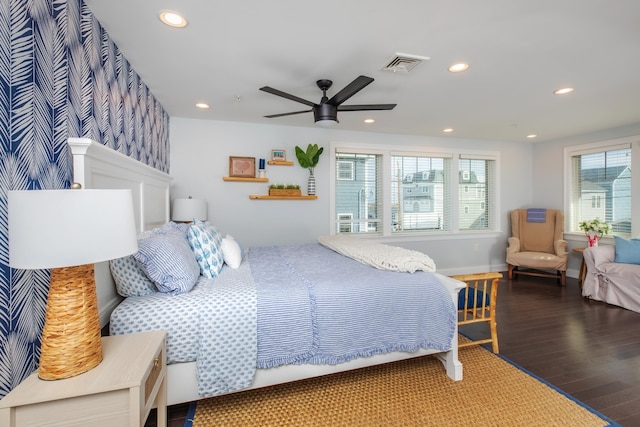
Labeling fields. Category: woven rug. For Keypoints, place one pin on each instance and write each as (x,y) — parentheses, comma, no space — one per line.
(413,392)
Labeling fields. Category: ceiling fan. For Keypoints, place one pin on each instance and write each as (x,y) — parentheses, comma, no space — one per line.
(326,112)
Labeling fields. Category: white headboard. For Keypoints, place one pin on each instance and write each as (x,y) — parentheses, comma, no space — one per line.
(96,166)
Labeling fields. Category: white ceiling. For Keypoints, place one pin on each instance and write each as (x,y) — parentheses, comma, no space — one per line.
(519,52)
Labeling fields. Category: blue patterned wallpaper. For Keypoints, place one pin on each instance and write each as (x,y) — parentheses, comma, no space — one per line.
(61,76)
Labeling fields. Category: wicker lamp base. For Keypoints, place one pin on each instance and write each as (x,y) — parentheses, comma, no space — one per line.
(71,343)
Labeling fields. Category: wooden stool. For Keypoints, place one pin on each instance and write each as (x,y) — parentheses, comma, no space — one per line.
(583,267)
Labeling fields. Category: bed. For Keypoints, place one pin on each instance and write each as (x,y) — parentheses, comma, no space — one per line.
(96,166)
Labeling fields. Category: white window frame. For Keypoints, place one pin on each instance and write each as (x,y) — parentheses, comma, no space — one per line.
(386,151)
(607,145)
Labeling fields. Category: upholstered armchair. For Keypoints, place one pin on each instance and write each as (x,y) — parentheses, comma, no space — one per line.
(536,246)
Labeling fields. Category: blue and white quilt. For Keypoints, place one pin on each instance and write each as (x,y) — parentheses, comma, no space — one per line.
(292,305)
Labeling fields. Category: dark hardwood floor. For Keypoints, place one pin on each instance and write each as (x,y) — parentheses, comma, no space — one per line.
(588,349)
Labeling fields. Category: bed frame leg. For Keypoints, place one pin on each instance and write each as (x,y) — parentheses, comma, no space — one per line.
(451,363)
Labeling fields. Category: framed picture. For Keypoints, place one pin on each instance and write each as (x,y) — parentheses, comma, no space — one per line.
(242,167)
(279,155)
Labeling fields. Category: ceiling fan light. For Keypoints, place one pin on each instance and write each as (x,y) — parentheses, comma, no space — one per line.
(324,123)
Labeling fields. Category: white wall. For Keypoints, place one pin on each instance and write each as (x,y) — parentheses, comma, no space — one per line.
(200,151)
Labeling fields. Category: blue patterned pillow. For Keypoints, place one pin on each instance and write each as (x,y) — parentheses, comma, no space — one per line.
(130,279)
(166,258)
(206,243)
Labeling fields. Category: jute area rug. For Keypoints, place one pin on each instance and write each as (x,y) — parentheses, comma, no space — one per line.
(413,392)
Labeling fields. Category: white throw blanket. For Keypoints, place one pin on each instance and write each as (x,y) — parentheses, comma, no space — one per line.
(378,255)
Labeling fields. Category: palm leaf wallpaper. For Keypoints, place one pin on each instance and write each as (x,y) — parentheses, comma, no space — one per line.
(61,76)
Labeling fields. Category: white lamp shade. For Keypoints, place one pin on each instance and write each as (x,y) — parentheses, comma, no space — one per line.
(189,209)
(63,228)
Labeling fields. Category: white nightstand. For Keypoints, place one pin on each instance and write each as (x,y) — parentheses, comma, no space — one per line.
(120,391)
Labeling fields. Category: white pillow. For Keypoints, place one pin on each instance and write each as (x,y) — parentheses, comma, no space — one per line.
(205,243)
(231,252)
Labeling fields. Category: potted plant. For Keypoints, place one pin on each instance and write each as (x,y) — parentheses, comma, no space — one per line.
(308,160)
(595,229)
(286,190)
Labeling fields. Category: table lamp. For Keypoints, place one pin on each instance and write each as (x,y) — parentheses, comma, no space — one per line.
(68,231)
(186,210)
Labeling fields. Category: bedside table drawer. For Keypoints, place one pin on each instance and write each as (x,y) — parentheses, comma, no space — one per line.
(156,371)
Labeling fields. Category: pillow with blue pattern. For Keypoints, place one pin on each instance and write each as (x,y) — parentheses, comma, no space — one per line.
(166,258)
(206,244)
(130,279)
(627,250)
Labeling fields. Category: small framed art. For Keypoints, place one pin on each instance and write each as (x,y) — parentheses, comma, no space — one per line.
(278,155)
(242,167)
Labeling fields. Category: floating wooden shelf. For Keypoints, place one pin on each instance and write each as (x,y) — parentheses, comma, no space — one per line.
(265,196)
(279,163)
(233,178)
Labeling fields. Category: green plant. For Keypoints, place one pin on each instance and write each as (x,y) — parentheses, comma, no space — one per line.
(284,187)
(309,159)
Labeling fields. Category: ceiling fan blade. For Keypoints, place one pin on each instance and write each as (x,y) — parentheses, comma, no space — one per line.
(286,95)
(349,90)
(271,116)
(366,107)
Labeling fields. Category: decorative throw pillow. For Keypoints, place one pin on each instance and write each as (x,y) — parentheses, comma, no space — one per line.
(231,252)
(205,242)
(166,258)
(627,250)
(130,279)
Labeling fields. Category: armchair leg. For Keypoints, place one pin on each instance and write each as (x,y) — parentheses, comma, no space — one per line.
(563,278)
(510,271)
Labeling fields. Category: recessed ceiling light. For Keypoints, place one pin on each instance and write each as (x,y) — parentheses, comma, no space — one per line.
(458,68)
(531,136)
(202,105)
(447,130)
(368,121)
(172,19)
(563,91)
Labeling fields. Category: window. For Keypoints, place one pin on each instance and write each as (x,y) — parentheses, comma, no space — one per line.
(478,175)
(344,222)
(358,199)
(600,186)
(412,191)
(345,170)
(419,188)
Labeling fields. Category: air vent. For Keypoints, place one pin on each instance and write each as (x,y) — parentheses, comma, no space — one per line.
(403,63)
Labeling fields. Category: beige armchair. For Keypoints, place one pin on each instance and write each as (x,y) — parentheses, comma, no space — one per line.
(537,247)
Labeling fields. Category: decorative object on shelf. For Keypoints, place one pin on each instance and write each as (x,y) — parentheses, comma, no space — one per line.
(309,159)
(595,229)
(285,190)
(68,231)
(242,167)
(279,155)
(261,171)
(187,210)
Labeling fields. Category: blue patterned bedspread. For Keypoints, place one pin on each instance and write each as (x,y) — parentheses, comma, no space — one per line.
(317,306)
(292,305)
